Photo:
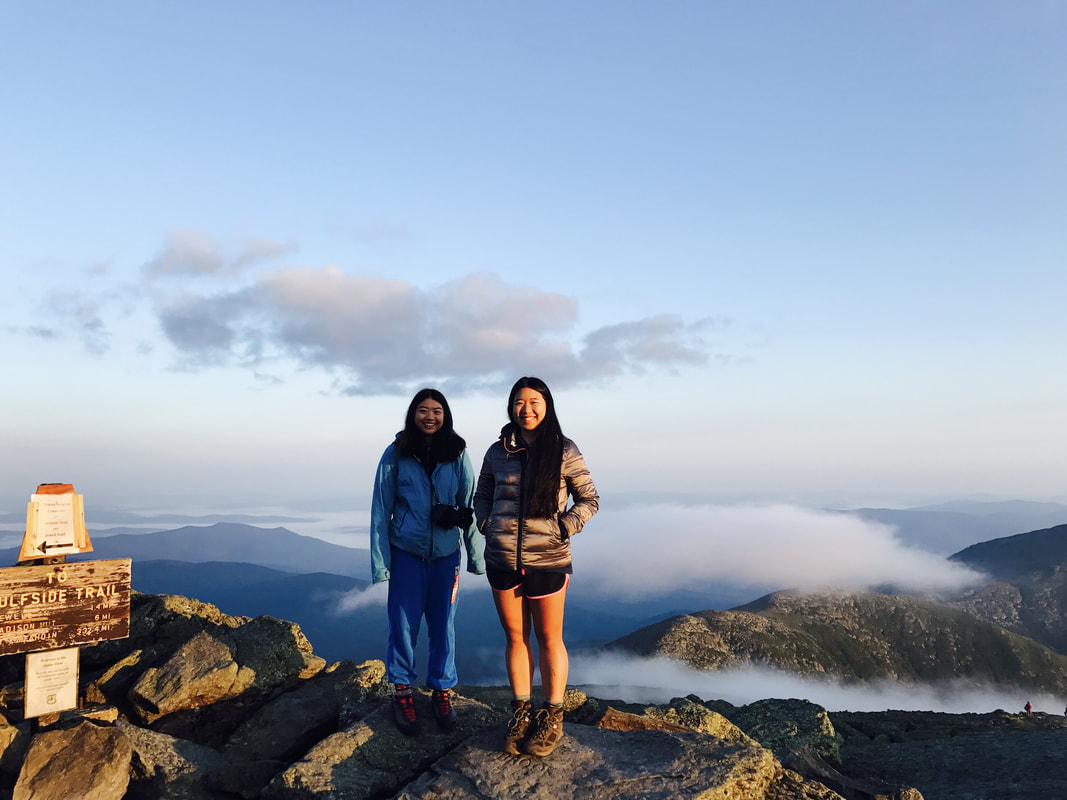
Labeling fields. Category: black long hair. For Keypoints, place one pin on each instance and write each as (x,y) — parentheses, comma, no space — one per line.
(546,454)
(443,446)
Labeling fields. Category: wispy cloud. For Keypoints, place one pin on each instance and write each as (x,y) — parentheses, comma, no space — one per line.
(633,346)
(76,314)
(380,335)
(374,595)
(41,332)
(191,253)
(777,547)
(377,231)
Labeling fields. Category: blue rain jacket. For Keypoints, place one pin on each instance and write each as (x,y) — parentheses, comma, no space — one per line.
(400,511)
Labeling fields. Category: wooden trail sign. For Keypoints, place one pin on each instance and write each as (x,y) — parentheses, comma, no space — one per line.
(63,605)
(55,523)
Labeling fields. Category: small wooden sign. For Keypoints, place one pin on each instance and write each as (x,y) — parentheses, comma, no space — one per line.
(51,682)
(52,606)
(55,523)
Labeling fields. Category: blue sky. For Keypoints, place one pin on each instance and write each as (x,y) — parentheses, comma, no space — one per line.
(774,251)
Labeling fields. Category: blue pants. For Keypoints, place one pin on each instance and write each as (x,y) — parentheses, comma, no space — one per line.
(420,588)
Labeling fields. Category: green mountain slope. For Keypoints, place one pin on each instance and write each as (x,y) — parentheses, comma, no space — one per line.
(855,636)
(1029,595)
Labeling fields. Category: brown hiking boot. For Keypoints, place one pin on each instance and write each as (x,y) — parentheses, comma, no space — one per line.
(521,715)
(546,732)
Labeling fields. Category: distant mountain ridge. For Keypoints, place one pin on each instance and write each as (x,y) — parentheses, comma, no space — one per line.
(1019,555)
(275,548)
(309,599)
(949,527)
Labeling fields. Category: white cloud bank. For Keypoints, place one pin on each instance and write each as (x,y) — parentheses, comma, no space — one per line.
(657,680)
(652,550)
(656,550)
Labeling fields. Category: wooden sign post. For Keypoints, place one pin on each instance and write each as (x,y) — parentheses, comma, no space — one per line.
(49,607)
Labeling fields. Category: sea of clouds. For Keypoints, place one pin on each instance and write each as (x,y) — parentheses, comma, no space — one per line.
(658,680)
(660,549)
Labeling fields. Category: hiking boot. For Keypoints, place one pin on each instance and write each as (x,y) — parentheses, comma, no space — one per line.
(546,732)
(404,711)
(518,725)
(442,709)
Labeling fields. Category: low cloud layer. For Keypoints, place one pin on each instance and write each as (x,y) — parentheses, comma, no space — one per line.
(656,551)
(657,680)
(651,550)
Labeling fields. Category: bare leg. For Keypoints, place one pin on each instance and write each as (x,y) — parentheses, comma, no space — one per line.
(511,607)
(547,616)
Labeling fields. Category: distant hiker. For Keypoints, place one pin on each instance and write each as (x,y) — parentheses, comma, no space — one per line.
(420,514)
(1028,708)
(521,506)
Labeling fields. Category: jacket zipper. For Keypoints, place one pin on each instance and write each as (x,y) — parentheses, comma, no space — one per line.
(429,516)
(522,513)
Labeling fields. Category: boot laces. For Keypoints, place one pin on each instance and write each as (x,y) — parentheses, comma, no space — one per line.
(520,719)
(443,701)
(407,706)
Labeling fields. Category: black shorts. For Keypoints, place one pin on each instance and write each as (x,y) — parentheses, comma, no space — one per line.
(535,583)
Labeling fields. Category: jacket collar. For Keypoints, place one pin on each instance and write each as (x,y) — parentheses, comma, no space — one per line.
(513,443)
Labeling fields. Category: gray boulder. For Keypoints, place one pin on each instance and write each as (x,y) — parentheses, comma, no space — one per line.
(159,625)
(372,759)
(785,726)
(263,657)
(168,768)
(203,671)
(83,760)
(282,730)
(596,764)
(695,716)
(14,741)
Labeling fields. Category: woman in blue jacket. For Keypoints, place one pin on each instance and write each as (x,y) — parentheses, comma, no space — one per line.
(421,511)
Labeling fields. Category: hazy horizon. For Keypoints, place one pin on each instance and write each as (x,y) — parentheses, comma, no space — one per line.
(758,548)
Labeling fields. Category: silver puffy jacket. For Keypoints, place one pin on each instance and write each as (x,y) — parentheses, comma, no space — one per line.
(514,541)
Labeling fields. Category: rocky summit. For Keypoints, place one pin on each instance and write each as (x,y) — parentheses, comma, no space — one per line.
(199,704)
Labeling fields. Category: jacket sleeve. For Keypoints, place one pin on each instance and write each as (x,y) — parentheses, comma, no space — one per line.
(472,540)
(483,496)
(381,513)
(582,490)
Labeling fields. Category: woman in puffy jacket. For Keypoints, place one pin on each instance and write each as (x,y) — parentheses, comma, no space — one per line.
(420,512)
(522,508)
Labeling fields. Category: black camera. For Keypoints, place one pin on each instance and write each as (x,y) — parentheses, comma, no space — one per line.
(451,516)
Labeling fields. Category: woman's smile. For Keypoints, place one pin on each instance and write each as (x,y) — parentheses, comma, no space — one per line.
(429,416)
(528,409)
